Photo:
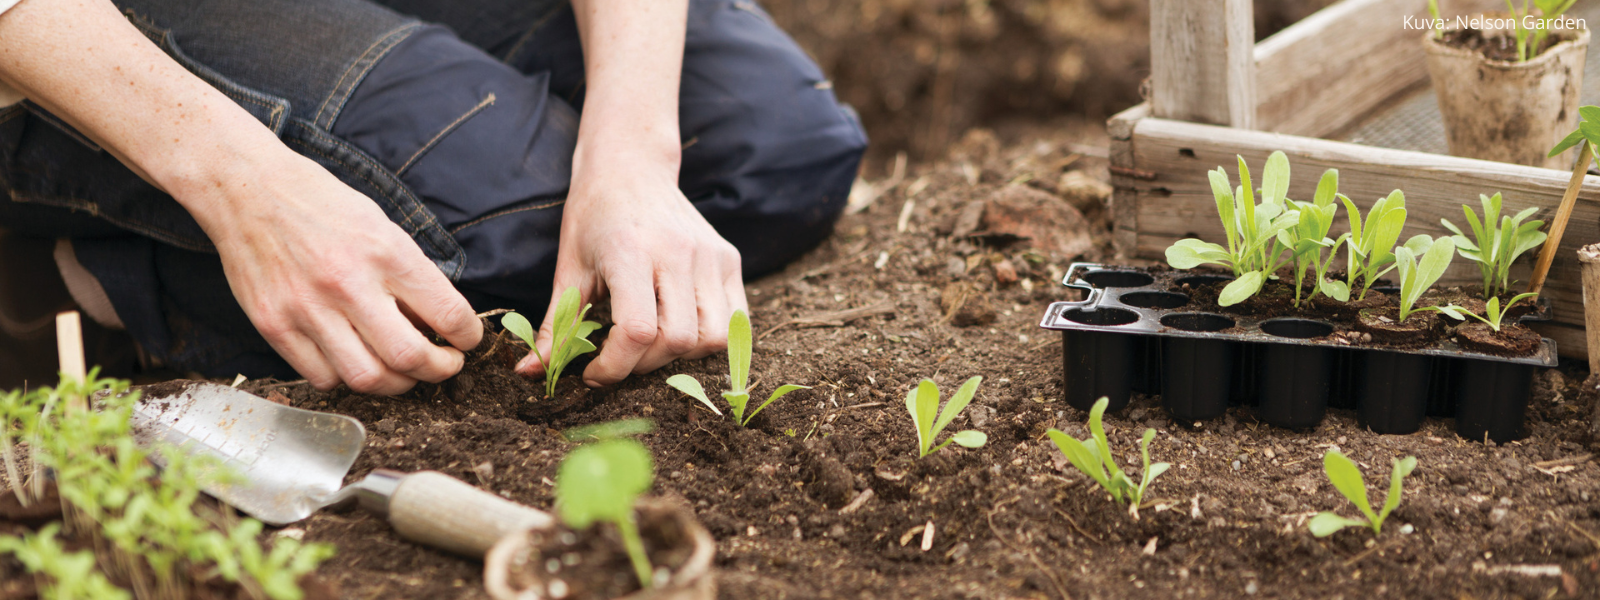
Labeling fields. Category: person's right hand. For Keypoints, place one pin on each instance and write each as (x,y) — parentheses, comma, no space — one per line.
(333,284)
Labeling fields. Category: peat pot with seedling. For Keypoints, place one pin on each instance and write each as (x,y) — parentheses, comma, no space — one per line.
(1290,317)
(1508,83)
(612,543)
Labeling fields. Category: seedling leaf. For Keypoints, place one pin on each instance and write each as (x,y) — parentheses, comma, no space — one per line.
(1344,475)
(1402,468)
(691,386)
(1241,288)
(776,394)
(739,351)
(1327,523)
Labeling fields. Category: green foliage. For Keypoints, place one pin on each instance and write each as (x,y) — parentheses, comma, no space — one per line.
(1309,236)
(114,494)
(1347,478)
(1093,457)
(738,394)
(923,404)
(1416,277)
(1588,130)
(1492,313)
(1532,38)
(1369,252)
(1497,241)
(71,575)
(1254,249)
(569,336)
(602,481)
(1433,12)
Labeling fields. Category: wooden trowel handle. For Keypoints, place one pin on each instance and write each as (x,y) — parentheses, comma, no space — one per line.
(432,508)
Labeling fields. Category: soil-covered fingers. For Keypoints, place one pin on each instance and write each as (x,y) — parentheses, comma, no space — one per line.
(401,347)
(678,322)
(356,363)
(633,311)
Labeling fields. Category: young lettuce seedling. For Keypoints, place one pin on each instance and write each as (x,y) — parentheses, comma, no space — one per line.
(1532,38)
(923,403)
(602,480)
(1492,315)
(1416,278)
(1371,246)
(1499,240)
(1347,478)
(1253,248)
(569,335)
(738,396)
(1309,236)
(1093,457)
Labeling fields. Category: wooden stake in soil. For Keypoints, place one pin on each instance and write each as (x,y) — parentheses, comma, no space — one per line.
(1559,226)
(69,350)
(1589,257)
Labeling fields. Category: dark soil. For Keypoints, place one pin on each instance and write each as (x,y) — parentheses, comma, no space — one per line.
(1511,340)
(1500,46)
(788,501)
(1385,327)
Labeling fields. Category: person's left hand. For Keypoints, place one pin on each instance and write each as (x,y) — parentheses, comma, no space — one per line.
(673,281)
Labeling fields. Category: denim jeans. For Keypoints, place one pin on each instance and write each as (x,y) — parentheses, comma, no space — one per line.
(459,119)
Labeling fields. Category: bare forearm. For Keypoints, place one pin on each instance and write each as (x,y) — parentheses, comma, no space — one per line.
(84,62)
(633,57)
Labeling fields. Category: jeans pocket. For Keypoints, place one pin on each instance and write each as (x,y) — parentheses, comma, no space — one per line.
(271,110)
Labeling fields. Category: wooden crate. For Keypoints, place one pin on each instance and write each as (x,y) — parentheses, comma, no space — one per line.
(1216,94)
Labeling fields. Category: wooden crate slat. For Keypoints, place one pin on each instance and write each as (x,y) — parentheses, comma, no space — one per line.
(1177,203)
(1322,74)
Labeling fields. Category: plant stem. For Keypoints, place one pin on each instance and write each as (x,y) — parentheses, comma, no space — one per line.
(635,547)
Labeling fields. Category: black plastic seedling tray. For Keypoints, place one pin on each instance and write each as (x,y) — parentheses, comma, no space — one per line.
(1135,333)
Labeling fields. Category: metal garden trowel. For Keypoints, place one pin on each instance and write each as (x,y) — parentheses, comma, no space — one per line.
(290,462)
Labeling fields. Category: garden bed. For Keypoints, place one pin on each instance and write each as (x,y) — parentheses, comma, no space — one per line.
(1012,519)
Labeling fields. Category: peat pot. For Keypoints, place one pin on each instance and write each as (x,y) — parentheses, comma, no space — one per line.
(1509,111)
(518,567)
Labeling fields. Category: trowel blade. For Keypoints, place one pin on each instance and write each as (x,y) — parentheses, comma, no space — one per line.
(284,462)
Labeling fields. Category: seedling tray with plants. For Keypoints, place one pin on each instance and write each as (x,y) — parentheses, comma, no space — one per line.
(1138,331)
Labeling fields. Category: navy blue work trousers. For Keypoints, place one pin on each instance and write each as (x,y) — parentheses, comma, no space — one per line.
(459,119)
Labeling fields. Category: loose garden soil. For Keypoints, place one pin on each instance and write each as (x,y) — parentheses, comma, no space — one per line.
(788,498)
(1499,45)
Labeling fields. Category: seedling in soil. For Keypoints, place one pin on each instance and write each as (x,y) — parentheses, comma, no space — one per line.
(923,403)
(1347,478)
(1433,12)
(1497,241)
(1253,248)
(60,574)
(1093,457)
(569,336)
(1532,38)
(738,396)
(1370,252)
(601,481)
(1416,278)
(1492,315)
(1309,236)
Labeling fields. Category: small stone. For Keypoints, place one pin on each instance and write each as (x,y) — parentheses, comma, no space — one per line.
(1236,464)
(1252,587)
(1407,529)
(752,531)
(1497,515)
(955,267)
(1005,272)
(837,531)
(484,471)
(386,425)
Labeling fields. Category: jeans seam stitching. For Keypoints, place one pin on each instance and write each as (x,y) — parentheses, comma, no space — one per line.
(485,103)
(359,68)
(504,212)
(528,35)
(93,209)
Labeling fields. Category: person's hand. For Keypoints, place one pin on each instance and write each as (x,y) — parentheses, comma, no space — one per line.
(336,288)
(673,281)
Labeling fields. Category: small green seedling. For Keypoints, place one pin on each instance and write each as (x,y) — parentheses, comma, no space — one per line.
(923,404)
(738,394)
(602,481)
(1497,241)
(1347,478)
(569,336)
(1433,12)
(1369,252)
(1416,277)
(1588,130)
(71,575)
(1309,236)
(1492,315)
(1532,38)
(1253,248)
(1093,457)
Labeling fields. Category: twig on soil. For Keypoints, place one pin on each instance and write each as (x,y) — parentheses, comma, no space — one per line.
(1368,552)
(1024,550)
(493,313)
(856,503)
(1563,462)
(1053,340)
(835,319)
(864,405)
(1076,528)
(1593,539)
